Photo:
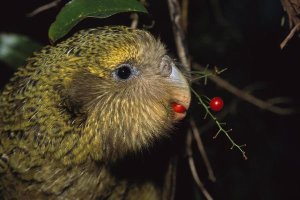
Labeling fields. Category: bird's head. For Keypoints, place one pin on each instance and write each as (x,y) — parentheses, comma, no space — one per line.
(124,90)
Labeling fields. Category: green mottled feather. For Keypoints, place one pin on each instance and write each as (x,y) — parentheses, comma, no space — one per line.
(64,120)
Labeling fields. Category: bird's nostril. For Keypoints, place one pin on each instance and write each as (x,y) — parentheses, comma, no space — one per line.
(165,67)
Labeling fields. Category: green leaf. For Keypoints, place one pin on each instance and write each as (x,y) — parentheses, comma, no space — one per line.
(77,10)
(14,49)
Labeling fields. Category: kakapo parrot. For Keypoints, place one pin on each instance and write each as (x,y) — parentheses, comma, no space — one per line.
(79,106)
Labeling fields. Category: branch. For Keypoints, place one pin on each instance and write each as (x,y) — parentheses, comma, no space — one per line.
(170,180)
(185,14)
(265,105)
(193,167)
(289,36)
(201,148)
(292,8)
(179,36)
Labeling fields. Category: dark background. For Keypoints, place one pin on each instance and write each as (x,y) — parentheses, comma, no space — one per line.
(244,37)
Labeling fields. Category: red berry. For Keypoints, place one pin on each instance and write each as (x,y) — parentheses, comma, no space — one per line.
(216,104)
(178,108)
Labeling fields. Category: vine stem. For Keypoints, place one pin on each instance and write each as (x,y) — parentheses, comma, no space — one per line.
(220,127)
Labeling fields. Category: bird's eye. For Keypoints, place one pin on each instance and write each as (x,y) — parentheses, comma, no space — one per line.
(124,72)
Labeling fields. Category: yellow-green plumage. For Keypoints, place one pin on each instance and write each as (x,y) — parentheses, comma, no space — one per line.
(65,118)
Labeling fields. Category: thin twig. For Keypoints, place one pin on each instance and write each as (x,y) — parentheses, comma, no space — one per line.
(135,17)
(289,36)
(292,8)
(174,178)
(170,180)
(175,15)
(265,105)
(135,20)
(193,167)
(169,188)
(185,14)
(44,8)
(201,148)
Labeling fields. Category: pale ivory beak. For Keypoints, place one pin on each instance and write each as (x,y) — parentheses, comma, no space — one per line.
(182,93)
